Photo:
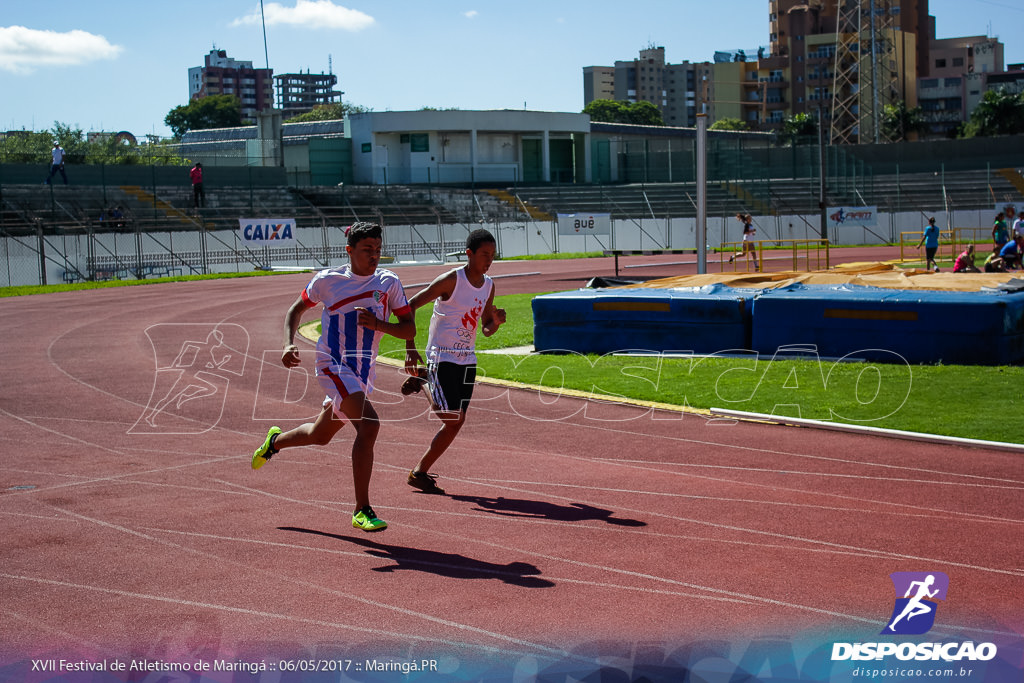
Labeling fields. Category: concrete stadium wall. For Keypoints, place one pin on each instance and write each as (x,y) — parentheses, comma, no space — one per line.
(120,254)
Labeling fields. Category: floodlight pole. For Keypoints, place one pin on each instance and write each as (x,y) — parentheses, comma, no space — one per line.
(263,20)
(702,198)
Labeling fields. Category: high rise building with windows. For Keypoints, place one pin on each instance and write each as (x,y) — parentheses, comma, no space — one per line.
(673,88)
(222,75)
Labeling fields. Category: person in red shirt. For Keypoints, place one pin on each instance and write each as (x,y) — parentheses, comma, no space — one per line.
(198,193)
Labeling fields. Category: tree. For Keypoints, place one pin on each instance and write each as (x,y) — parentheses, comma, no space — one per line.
(1000,112)
(25,147)
(212,111)
(800,127)
(729,124)
(644,113)
(329,112)
(898,122)
(608,111)
(638,113)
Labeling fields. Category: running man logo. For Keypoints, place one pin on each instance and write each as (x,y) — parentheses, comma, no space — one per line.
(865,216)
(914,612)
(194,364)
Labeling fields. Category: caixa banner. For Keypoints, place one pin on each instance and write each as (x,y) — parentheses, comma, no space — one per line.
(267,231)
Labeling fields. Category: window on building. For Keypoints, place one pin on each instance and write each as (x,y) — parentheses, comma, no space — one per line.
(940,63)
(419,142)
(958,61)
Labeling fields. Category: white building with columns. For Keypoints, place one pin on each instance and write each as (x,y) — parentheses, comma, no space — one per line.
(455,146)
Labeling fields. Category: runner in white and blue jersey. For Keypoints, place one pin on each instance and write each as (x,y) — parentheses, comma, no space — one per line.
(358,301)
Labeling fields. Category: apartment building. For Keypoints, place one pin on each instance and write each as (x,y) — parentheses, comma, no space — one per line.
(959,72)
(223,75)
(673,88)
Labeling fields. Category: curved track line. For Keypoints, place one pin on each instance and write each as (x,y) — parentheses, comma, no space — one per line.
(306,584)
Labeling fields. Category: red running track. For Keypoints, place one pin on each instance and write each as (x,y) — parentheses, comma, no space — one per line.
(612,533)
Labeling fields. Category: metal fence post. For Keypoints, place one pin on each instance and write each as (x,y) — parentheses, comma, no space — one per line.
(42,253)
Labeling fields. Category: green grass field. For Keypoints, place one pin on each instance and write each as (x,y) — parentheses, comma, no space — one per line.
(977,402)
(952,400)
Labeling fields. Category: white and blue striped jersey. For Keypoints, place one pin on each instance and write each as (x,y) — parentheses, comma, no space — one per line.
(342,341)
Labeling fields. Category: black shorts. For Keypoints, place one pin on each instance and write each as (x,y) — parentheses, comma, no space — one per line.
(451,386)
(929,253)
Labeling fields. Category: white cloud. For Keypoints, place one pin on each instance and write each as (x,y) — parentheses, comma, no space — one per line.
(309,14)
(471,13)
(23,50)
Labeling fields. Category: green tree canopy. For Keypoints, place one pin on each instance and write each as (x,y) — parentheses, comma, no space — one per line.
(898,122)
(800,125)
(31,147)
(329,112)
(1000,112)
(729,124)
(212,111)
(638,113)
(800,128)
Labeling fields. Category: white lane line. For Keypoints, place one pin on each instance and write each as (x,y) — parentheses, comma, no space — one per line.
(788,537)
(47,628)
(620,429)
(660,579)
(873,431)
(262,614)
(807,473)
(443,565)
(938,514)
(299,582)
(736,482)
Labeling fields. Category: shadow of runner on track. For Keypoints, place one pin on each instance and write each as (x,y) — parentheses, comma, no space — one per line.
(537,509)
(451,565)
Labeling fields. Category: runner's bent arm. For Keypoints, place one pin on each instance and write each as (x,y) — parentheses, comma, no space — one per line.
(493,317)
(405,328)
(442,286)
(290,357)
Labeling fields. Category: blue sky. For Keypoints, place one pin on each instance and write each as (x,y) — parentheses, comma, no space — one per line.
(118,65)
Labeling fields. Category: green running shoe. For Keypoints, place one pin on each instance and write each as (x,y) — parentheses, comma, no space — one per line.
(262,454)
(367,520)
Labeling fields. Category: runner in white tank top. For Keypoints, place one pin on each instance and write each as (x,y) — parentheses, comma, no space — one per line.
(463,304)
(453,325)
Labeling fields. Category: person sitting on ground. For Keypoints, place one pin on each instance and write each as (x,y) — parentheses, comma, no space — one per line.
(1011,253)
(965,261)
(994,264)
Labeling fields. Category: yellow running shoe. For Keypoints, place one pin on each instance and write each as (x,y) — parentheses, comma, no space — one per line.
(262,454)
(366,519)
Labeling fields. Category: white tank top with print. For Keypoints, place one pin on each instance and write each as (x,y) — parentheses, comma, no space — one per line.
(453,325)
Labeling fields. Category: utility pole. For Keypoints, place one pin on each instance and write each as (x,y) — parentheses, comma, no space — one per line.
(821,173)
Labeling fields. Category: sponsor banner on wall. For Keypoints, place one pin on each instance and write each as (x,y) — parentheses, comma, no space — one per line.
(865,216)
(267,231)
(584,224)
(1009,209)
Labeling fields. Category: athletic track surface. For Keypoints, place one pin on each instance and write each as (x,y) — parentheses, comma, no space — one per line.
(614,536)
